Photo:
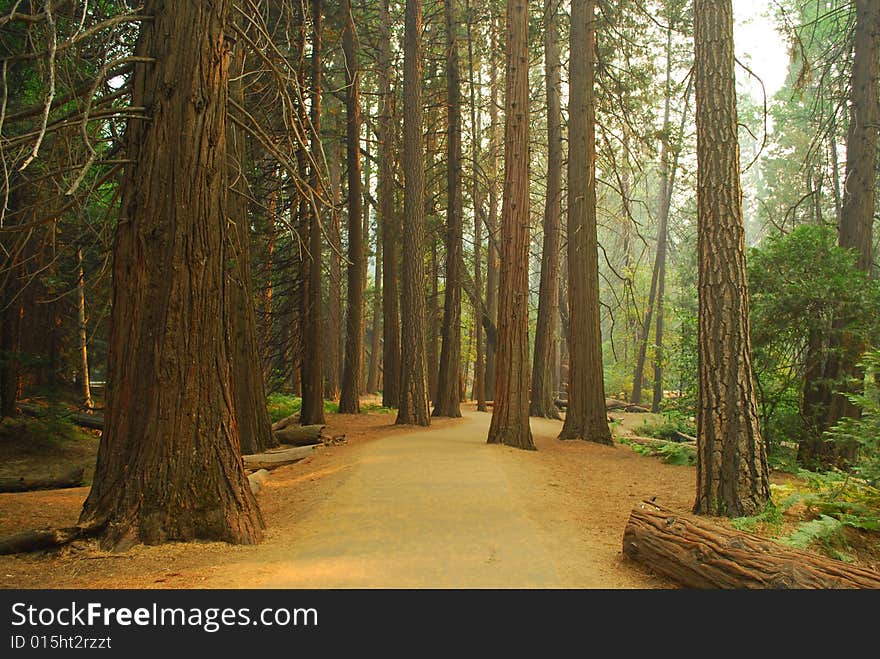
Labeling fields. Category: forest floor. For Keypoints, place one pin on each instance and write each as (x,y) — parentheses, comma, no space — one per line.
(396,507)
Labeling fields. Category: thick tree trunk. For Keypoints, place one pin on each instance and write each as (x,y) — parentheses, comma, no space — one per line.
(510,413)
(169,466)
(312,410)
(585,417)
(349,398)
(542,395)
(389,222)
(413,408)
(698,554)
(732,474)
(447,401)
(248,387)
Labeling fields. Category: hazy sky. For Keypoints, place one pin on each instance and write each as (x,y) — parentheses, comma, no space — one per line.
(759,45)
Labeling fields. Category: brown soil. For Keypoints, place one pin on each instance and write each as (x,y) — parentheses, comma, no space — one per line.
(575,497)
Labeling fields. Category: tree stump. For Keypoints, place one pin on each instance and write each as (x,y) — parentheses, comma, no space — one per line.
(699,554)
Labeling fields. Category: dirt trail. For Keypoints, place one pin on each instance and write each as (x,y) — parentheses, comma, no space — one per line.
(436,508)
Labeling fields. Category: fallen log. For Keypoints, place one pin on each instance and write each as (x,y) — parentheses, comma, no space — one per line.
(560,403)
(292,420)
(93,421)
(699,554)
(72,478)
(274,459)
(616,405)
(40,539)
(300,435)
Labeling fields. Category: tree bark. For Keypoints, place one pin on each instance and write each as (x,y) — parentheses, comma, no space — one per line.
(248,387)
(83,331)
(510,413)
(542,395)
(169,466)
(413,408)
(585,417)
(479,390)
(492,220)
(312,364)
(856,215)
(388,222)
(447,401)
(698,554)
(333,337)
(349,398)
(732,473)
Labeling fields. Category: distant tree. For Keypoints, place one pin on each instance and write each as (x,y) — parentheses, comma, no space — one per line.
(542,398)
(349,397)
(447,400)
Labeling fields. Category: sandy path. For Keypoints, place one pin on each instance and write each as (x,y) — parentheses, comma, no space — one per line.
(397,507)
(440,508)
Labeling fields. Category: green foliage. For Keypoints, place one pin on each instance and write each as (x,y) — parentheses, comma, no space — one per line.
(822,529)
(864,432)
(769,520)
(668,427)
(282,406)
(803,289)
(671,453)
(376,407)
(54,426)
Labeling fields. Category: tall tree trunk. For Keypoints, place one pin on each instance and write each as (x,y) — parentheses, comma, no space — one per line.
(268,291)
(333,338)
(492,223)
(168,465)
(433,311)
(413,408)
(367,185)
(545,331)
(585,416)
(389,222)
(447,402)
(732,474)
(825,399)
(510,412)
(375,342)
(83,333)
(857,210)
(349,399)
(479,390)
(312,411)
(248,387)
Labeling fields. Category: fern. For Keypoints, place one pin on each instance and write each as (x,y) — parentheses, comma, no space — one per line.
(821,529)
